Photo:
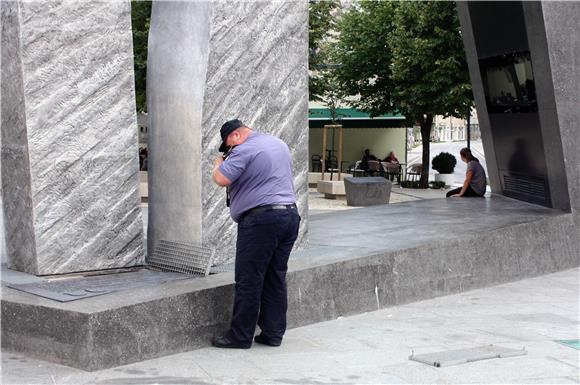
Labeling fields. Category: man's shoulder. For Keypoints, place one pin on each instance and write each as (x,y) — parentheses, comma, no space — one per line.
(260,138)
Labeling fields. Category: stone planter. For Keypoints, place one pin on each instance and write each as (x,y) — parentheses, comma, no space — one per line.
(447,178)
(367,191)
(331,189)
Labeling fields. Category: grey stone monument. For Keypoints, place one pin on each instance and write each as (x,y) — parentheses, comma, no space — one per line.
(210,62)
(563,45)
(69,137)
(3,256)
(528,51)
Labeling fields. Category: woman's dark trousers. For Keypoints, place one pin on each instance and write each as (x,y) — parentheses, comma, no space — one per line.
(468,193)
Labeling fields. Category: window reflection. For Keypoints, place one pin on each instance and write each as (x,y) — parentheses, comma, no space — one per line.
(508,82)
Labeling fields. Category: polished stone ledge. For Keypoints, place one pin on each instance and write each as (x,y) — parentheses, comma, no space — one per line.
(351,266)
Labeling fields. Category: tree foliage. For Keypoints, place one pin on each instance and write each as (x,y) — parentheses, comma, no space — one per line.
(140,18)
(429,70)
(321,25)
(405,57)
(365,56)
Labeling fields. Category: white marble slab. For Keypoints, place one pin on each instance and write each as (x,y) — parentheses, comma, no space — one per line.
(257,71)
(69,155)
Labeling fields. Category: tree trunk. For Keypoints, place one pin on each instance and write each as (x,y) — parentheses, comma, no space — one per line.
(426,140)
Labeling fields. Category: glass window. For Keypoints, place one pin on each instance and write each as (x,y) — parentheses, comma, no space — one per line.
(508,82)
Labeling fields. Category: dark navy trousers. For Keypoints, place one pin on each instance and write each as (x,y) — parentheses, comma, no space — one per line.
(265,239)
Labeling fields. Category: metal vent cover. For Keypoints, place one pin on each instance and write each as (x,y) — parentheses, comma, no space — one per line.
(181,257)
(224,268)
(526,187)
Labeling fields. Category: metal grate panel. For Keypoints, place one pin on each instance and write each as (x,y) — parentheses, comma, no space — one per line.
(528,188)
(225,268)
(463,356)
(181,257)
(525,185)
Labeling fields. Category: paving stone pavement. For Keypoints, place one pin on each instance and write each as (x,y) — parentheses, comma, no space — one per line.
(318,204)
(373,348)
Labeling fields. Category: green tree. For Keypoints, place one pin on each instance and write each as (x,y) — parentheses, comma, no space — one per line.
(430,74)
(365,56)
(321,23)
(405,57)
(140,18)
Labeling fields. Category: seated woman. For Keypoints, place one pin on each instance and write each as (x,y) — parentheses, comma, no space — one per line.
(392,158)
(475,180)
(364,165)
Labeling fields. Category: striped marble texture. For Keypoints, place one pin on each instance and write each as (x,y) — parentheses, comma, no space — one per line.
(3,254)
(16,188)
(258,72)
(80,136)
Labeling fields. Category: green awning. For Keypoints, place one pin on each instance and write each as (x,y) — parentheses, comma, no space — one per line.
(348,113)
(353,118)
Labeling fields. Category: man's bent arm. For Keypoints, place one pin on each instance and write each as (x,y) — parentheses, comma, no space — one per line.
(218,177)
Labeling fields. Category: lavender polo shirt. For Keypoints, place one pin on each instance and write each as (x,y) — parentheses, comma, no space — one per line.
(261,173)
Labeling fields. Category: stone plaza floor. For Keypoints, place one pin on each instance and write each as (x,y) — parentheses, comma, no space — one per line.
(374,347)
(318,204)
(409,224)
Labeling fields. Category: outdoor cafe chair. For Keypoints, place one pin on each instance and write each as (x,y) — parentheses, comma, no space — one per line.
(414,171)
(374,167)
(355,169)
(392,171)
(316,163)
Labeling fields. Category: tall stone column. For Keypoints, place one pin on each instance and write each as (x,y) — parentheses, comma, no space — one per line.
(210,62)
(176,70)
(563,43)
(3,256)
(70,170)
(548,31)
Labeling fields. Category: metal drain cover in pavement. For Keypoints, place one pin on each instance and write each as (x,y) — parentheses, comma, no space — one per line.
(71,289)
(462,356)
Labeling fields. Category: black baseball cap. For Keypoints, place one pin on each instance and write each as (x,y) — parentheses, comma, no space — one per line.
(227,128)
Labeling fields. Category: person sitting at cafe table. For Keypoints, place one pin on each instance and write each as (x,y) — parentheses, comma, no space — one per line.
(364,164)
(391,158)
(392,167)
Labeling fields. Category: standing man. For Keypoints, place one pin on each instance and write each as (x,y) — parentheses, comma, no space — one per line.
(257,171)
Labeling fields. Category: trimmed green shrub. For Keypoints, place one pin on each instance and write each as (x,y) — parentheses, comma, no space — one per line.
(437,184)
(444,163)
(411,184)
